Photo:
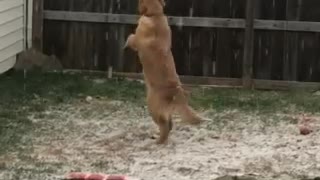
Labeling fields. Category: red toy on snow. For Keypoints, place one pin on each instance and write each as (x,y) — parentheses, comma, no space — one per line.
(96,176)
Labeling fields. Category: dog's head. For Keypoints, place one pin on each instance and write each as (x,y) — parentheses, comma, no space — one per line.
(151,7)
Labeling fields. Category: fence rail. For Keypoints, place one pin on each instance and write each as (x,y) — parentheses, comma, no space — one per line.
(184,21)
(190,81)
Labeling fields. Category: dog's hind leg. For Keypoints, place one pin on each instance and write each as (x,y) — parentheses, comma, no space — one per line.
(164,124)
(164,129)
(160,115)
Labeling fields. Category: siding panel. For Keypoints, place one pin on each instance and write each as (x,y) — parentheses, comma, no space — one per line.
(11,26)
(9,4)
(11,32)
(11,50)
(7,64)
(11,39)
(11,14)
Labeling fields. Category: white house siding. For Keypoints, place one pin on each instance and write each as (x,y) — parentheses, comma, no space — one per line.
(29,26)
(12,31)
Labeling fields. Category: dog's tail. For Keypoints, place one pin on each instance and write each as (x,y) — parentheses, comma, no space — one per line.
(187,113)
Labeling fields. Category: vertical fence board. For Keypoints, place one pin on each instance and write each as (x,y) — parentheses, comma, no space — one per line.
(37,29)
(308,51)
(293,11)
(180,35)
(269,53)
(248,46)
(205,46)
(229,47)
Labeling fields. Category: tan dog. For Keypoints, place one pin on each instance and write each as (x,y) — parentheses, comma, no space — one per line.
(152,41)
(153,31)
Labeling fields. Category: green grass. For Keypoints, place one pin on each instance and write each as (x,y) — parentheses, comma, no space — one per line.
(256,101)
(21,97)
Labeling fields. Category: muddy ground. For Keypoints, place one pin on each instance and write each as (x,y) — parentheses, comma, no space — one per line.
(103,135)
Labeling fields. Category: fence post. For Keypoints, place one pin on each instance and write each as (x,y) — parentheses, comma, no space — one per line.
(248,46)
(37,25)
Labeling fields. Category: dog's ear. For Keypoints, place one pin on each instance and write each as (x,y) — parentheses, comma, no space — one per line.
(142,7)
(151,7)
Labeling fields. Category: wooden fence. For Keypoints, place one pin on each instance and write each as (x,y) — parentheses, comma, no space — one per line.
(264,43)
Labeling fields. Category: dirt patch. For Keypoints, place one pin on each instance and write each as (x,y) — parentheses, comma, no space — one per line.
(115,137)
(32,59)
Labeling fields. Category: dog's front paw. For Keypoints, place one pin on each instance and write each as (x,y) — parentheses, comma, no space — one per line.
(130,43)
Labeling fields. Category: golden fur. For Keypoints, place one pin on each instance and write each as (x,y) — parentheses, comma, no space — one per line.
(151,7)
(165,95)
